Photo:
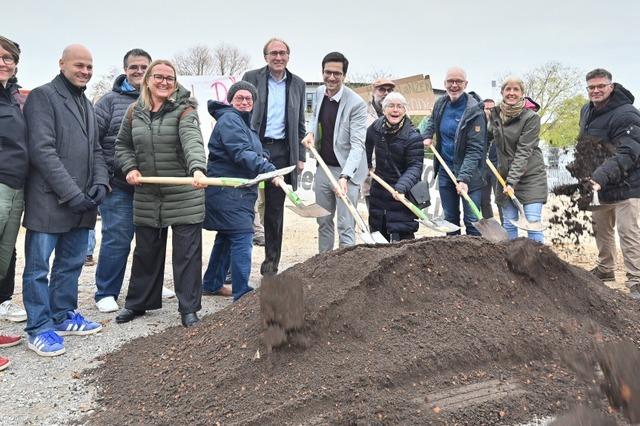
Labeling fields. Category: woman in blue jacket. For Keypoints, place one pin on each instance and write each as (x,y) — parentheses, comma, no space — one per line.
(234,151)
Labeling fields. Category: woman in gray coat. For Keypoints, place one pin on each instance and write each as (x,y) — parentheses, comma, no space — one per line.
(516,132)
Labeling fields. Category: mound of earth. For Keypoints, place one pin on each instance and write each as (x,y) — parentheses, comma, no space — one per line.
(432,331)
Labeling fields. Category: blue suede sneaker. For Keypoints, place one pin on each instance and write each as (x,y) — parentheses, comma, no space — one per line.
(46,344)
(76,325)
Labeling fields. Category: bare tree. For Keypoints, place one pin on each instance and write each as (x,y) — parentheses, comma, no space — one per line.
(357,78)
(224,59)
(103,85)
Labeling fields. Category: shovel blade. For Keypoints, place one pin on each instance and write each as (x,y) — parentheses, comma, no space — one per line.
(373,238)
(596,207)
(491,230)
(269,175)
(311,210)
(523,223)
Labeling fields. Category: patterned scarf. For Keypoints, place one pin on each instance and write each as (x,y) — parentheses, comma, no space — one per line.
(392,129)
(507,112)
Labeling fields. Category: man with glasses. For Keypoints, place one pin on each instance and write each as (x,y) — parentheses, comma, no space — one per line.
(614,122)
(116,210)
(68,179)
(381,88)
(459,125)
(278,116)
(338,130)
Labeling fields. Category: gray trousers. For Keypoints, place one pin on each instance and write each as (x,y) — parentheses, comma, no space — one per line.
(625,215)
(326,198)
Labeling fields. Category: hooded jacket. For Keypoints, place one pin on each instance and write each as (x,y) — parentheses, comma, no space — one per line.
(617,127)
(234,151)
(470,140)
(168,145)
(110,110)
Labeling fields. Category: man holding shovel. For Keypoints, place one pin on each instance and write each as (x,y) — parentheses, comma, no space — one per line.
(338,129)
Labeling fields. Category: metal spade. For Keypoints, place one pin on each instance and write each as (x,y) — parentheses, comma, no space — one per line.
(300,208)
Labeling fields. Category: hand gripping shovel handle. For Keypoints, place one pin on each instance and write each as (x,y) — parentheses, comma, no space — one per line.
(419,213)
(513,197)
(221,181)
(473,206)
(363,226)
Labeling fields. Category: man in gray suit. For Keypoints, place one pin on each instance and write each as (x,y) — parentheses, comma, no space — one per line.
(68,178)
(338,130)
(278,116)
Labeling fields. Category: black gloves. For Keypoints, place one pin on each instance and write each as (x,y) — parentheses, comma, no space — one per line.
(81,203)
(97,193)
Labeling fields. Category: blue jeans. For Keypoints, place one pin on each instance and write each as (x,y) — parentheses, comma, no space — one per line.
(117,232)
(47,301)
(91,243)
(451,205)
(230,249)
(533,213)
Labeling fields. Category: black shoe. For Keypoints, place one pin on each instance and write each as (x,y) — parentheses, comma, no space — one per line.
(189,319)
(258,241)
(604,276)
(634,291)
(127,315)
(268,269)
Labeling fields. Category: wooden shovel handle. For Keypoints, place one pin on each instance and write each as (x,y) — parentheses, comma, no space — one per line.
(503,183)
(408,204)
(162,180)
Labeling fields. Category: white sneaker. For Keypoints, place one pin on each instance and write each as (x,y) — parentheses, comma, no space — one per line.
(11,312)
(107,304)
(167,294)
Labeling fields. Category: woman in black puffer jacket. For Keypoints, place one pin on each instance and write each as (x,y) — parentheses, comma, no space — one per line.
(399,154)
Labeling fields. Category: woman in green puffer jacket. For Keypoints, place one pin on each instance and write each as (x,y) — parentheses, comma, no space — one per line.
(160,136)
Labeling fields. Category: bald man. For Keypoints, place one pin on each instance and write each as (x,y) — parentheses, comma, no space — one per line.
(68,179)
(459,126)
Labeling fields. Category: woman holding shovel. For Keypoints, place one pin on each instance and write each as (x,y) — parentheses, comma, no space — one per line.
(516,133)
(399,156)
(234,151)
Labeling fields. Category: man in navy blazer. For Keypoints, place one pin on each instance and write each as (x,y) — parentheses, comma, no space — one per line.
(68,178)
(338,130)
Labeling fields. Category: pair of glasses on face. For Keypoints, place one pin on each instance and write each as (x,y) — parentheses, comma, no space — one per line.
(456,82)
(334,74)
(158,78)
(597,87)
(137,67)
(8,59)
(240,99)
(384,89)
(276,53)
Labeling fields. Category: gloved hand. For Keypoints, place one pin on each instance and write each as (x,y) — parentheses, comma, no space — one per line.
(97,193)
(81,203)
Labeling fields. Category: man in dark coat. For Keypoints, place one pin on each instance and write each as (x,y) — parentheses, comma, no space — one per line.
(67,180)
(611,118)
(278,116)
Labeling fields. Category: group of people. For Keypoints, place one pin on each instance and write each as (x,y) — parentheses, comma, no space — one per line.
(64,158)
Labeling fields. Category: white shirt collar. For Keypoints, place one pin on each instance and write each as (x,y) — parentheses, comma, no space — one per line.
(337,96)
(284,77)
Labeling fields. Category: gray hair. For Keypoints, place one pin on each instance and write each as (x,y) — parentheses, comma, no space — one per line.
(395,97)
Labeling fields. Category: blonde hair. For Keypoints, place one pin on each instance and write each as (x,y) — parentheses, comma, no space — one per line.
(145,93)
(512,79)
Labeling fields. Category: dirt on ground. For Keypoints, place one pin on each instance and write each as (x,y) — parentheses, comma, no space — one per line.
(432,331)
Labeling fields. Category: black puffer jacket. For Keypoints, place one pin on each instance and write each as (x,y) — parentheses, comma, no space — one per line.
(617,126)
(13,139)
(110,110)
(406,150)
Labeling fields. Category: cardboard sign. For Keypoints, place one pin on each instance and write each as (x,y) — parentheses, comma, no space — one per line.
(416,89)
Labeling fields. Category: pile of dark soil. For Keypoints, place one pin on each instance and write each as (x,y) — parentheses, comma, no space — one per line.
(432,331)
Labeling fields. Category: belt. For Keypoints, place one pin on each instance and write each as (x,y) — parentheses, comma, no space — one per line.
(270,141)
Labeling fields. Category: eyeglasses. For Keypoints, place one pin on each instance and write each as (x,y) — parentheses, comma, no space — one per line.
(384,89)
(276,53)
(398,106)
(137,67)
(8,59)
(452,82)
(158,78)
(239,99)
(335,74)
(597,87)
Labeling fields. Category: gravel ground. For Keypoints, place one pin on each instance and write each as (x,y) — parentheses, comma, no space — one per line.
(38,390)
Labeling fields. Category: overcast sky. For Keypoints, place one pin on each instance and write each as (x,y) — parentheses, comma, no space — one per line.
(488,38)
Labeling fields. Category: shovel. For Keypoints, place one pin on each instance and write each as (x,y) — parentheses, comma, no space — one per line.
(217,181)
(367,236)
(522,221)
(595,203)
(439,225)
(300,208)
(488,228)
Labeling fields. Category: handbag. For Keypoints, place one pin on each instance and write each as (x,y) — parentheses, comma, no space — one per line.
(419,193)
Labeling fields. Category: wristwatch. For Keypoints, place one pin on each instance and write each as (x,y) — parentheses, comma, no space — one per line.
(346,177)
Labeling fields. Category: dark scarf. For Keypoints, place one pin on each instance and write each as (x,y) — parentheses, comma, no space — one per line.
(392,129)
(78,97)
(376,106)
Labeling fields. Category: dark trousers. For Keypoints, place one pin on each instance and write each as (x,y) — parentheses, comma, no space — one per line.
(486,208)
(147,270)
(274,210)
(393,236)
(8,284)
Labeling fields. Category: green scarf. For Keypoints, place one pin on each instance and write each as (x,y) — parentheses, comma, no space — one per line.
(507,112)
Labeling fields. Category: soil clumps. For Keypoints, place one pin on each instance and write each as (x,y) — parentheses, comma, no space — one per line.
(432,331)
